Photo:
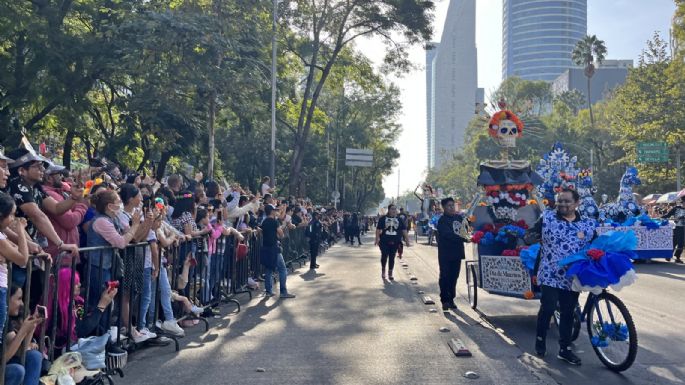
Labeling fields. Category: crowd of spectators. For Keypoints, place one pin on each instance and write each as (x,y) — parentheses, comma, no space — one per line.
(47,210)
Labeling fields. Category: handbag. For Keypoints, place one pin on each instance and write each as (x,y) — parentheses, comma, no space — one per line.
(241,251)
(92,351)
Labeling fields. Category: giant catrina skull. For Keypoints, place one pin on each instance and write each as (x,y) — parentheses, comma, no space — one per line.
(505,127)
(507,133)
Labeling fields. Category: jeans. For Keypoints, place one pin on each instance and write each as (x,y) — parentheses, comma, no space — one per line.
(164,296)
(206,295)
(449,273)
(95,289)
(146,297)
(29,373)
(3,310)
(282,274)
(567,300)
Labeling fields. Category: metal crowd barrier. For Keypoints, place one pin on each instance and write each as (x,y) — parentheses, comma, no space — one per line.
(214,279)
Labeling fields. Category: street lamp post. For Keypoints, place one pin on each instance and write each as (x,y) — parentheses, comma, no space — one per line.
(272,171)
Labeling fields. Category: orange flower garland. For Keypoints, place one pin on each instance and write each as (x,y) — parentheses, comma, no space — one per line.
(497,118)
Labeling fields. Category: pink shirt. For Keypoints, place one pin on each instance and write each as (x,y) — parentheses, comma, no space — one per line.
(107,231)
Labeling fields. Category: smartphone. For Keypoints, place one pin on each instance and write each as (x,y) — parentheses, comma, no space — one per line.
(41,311)
(111,285)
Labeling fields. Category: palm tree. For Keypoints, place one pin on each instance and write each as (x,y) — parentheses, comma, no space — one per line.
(587,52)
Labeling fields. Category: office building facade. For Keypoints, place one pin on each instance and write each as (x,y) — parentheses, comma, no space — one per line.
(452,85)
(430,55)
(609,75)
(539,36)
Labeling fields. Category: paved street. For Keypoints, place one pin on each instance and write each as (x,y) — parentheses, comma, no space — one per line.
(347,327)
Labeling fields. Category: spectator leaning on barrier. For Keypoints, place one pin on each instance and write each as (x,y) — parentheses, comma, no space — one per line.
(31,200)
(271,256)
(65,224)
(106,231)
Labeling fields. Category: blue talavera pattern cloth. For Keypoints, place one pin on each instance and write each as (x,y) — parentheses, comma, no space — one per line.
(561,238)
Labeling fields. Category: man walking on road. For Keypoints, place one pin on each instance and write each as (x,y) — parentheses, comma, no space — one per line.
(561,232)
(389,233)
(450,253)
(270,254)
(313,232)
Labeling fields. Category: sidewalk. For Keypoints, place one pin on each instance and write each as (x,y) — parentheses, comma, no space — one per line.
(345,327)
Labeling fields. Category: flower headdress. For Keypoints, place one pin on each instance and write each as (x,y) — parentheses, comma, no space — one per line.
(497,118)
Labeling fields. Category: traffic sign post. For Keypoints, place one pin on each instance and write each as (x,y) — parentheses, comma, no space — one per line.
(652,152)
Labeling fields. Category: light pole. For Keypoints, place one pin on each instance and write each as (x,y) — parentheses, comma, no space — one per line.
(272,170)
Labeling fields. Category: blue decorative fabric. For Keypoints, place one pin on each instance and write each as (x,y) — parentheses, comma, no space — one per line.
(610,268)
(529,255)
(561,238)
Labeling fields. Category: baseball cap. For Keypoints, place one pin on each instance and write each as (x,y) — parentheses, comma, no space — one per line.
(55,169)
(3,157)
(22,156)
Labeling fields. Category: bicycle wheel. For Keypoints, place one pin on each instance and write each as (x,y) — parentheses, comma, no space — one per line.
(612,332)
(472,285)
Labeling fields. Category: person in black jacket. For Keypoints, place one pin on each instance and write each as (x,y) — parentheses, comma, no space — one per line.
(678,214)
(314,232)
(450,253)
(389,233)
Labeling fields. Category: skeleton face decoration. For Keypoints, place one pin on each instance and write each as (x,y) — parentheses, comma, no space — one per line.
(507,133)
(505,127)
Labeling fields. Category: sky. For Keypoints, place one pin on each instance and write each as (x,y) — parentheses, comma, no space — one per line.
(624,25)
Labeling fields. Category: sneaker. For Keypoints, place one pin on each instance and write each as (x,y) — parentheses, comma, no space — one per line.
(138,337)
(390,277)
(452,305)
(172,328)
(540,348)
(267,294)
(196,310)
(159,341)
(287,295)
(445,308)
(568,356)
(678,260)
(148,333)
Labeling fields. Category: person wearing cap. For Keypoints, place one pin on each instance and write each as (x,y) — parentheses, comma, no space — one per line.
(4,169)
(28,171)
(66,224)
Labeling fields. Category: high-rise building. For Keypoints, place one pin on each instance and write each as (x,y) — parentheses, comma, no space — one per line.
(538,37)
(608,75)
(452,86)
(431,51)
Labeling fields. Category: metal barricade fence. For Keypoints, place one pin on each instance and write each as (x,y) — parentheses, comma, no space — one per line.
(212,279)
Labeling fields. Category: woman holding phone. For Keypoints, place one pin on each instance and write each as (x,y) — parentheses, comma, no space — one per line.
(21,331)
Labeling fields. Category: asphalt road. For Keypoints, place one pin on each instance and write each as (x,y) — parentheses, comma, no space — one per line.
(655,302)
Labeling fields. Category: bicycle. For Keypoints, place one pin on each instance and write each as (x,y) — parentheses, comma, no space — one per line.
(610,328)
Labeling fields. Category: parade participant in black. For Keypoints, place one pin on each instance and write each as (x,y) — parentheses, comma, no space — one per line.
(346,227)
(389,233)
(450,253)
(314,232)
(355,230)
(405,220)
(678,214)
(562,232)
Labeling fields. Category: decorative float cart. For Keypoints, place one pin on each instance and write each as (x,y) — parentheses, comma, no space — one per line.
(501,264)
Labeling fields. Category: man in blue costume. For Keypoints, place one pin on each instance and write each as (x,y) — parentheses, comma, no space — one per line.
(562,232)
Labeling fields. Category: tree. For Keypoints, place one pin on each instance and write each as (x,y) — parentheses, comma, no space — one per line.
(586,52)
(317,31)
(572,99)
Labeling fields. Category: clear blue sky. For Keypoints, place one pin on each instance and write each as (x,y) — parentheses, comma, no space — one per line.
(625,26)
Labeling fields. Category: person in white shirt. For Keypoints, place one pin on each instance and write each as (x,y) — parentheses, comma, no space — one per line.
(266,188)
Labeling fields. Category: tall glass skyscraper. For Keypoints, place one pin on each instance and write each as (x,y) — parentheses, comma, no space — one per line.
(538,37)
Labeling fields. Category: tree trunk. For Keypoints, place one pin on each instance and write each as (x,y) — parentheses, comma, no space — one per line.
(163,161)
(68,145)
(589,103)
(210,128)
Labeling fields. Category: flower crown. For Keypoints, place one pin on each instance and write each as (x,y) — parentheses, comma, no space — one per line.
(184,196)
(497,118)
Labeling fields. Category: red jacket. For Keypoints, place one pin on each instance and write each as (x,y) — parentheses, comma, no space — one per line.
(66,225)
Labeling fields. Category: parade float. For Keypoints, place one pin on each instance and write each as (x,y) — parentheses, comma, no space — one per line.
(513,196)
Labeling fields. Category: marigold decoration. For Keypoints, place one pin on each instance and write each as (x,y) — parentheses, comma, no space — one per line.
(496,121)
(532,202)
(528,295)
(595,254)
